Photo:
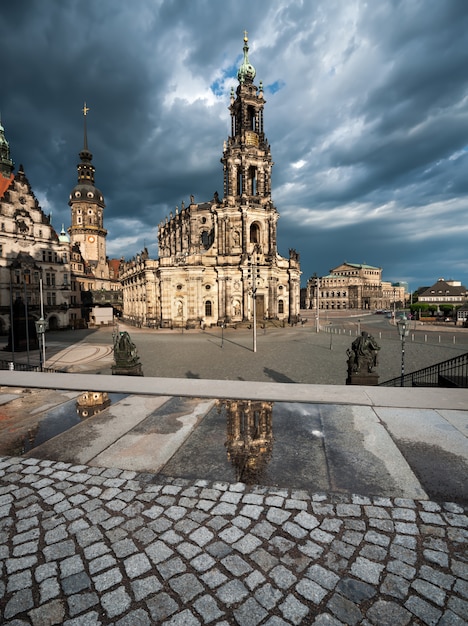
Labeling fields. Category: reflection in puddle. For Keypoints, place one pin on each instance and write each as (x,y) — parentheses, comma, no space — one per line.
(62,417)
(249,441)
(91,402)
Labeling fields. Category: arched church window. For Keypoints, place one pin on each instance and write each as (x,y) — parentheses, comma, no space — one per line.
(251,117)
(254,233)
(208,308)
(280,306)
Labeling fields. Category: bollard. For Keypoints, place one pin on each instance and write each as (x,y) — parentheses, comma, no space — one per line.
(11,366)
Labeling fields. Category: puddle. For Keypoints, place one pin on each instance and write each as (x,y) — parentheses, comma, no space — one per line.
(255,442)
(61,418)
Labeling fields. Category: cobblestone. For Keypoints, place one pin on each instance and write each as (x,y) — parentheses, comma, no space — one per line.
(250,555)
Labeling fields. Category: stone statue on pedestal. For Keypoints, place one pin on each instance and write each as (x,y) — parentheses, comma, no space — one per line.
(363,360)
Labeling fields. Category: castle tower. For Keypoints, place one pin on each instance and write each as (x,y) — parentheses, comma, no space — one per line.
(87,213)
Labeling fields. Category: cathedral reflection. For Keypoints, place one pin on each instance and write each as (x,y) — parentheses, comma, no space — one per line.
(249,441)
(91,402)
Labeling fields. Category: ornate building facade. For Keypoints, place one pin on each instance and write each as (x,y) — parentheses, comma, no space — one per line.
(218,260)
(34,259)
(72,272)
(353,286)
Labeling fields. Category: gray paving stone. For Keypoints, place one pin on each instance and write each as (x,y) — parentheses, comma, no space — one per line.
(48,614)
(21,580)
(236,565)
(250,613)
(75,583)
(422,609)
(355,590)
(171,568)
(107,579)
(143,587)
(434,556)
(345,610)
(161,606)
(451,619)
(139,617)
(71,565)
(115,602)
(49,589)
(429,591)
(81,602)
(158,552)
(283,577)
(213,578)
(232,592)
(387,613)
(324,577)
(207,608)
(20,601)
(325,619)
(395,586)
(136,565)
(202,563)
(366,570)
(186,586)
(311,590)
(401,569)
(293,610)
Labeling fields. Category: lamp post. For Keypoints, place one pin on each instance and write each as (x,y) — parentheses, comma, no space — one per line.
(317,303)
(403,330)
(40,329)
(394,305)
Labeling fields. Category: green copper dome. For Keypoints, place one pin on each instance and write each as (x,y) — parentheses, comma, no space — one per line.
(246,71)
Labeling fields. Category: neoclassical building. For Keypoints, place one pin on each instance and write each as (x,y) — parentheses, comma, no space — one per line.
(353,286)
(218,260)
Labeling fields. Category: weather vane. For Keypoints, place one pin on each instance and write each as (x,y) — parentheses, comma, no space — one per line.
(85,109)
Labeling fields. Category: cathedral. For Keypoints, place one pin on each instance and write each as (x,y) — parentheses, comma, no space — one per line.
(218,260)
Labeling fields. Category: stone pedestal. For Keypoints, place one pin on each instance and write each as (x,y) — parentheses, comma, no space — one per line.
(366,379)
(134,369)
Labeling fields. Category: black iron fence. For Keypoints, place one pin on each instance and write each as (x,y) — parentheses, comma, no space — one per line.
(25,367)
(450,373)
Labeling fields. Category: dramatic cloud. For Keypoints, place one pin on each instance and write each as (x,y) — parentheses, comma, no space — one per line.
(366,114)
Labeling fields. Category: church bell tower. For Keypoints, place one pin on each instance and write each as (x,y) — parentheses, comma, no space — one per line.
(247,158)
(87,213)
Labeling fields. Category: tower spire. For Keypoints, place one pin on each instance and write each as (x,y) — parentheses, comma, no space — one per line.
(246,71)
(85,168)
(85,113)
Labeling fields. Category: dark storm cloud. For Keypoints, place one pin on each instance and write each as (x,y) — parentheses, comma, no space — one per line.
(366,115)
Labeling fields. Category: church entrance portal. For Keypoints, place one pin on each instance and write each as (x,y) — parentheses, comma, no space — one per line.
(260,307)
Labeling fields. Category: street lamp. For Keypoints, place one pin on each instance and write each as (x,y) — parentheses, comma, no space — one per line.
(41,326)
(403,331)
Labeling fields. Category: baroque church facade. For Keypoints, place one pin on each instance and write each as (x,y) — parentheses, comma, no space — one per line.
(218,260)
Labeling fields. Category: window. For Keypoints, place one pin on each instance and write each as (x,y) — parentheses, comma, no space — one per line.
(50,279)
(208,308)
(280,307)
(254,233)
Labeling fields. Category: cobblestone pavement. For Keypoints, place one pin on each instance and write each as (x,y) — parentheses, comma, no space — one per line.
(82,546)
